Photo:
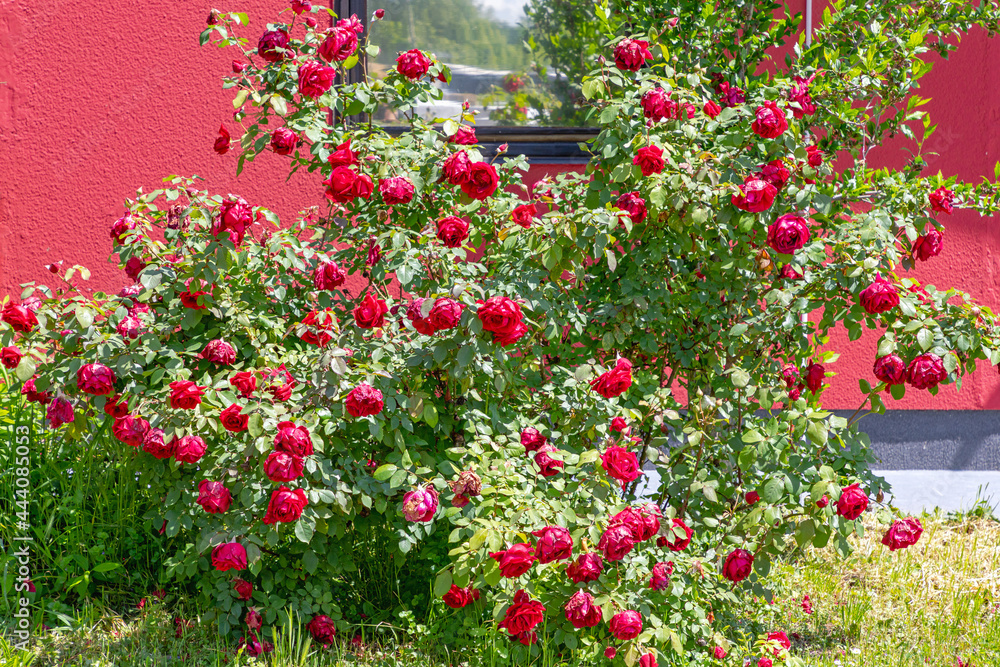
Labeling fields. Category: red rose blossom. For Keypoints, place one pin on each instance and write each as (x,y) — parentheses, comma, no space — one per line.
(96,380)
(214,497)
(548,465)
(586,567)
(189,448)
(219,352)
(370,313)
(396,190)
(650,160)
(363,400)
(229,556)
(903,533)
(926,371)
(738,565)
(339,45)
(890,369)
(631,54)
(554,543)
(322,629)
(233,419)
(283,467)
(286,505)
(524,214)
(185,395)
(620,464)
(581,611)
(755,195)
(452,231)
(942,200)
(879,297)
(614,382)
(413,64)
(626,625)
(284,140)
(516,560)
(634,205)
(521,616)
(852,502)
(482,181)
(770,121)
(788,233)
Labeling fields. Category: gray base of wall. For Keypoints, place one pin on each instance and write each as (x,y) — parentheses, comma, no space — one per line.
(914,491)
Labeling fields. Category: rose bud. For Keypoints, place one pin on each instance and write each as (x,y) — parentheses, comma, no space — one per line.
(712,109)
(10,356)
(238,67)
(311,22)
(420,505)
(59,412)
(902,534)
(752,498)
(822,502)
(285,506)
(586,567)
(616,542)
(755,195)
(283,467)
(890,369)
(648,659)
(614,382)
(631,54)
(229,556)
(185,395)
(852,503)
(130,430)
(244,589)
(660,577)
(626,625)
(413,64)
(554,543)
(926,371)
(719,653)
(214,497)
(456,597)
(942,200)
(218,352)
(222,142)
(380,14)
(929,245)
(787,234)
(482,181)
(581,611)
(515,561)
(522,615)
(738,565)
(189,449)
(610,652)
(634,205)
(677,542)
(548,465)
(272,45)
(322,629)
(879,297)
(814,376)
(95,379)
(770,121)
(233,419)
(364,400)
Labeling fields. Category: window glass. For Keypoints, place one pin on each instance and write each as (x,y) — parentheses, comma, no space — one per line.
(496,64)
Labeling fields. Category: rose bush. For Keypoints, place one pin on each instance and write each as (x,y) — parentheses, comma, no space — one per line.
(599,402)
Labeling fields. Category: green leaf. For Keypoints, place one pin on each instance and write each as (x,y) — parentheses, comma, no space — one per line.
(740,378)
(442,584)
(773,490)
(84,316)
(304,531)
(925,338)
(25,368)
(107,567)
(255,425)
(240,98)
(431,414)
(384,472)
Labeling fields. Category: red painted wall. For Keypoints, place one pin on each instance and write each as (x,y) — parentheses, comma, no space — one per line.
(99,98)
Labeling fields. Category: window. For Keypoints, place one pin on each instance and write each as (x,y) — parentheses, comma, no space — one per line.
(496,65)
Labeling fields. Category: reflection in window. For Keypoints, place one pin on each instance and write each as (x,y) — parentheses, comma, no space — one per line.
(485,43)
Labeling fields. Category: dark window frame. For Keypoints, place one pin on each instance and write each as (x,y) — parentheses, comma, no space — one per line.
(549,145)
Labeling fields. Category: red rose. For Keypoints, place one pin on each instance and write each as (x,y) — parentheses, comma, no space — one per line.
(515,561)
(456,168)
(129,327)
(318,327)
(96,380)
(322,629)
(631,54)
(254,621)
(902,534)
(456,597)
(801,100)
(616,542)
(512,337)
(116,407)
(420,505)
(814,376)
(890,369)
(942,200)
(657,105)
(779,638)
(234,216)
(396,190)
(524,214)
(286,505)
(610,652)
(420,323)
(648,660)
(531,439)
(185,395)
(133,267)
(738,565)
(374,252)
(344,185)
(238,67)
(586,567)
(814,156)
(300,6)
(130,430)
(554,543)
(464,136)
(879,297)
(343,156)
(680,542)
(755,195)
(775,173)
(614,382)
(229,556)
(770,122)
(581,610)
(752,498)
(634,205)
(214,497)
(413,64)
(452,231)
(222,142)
(618,425)
(626,625)
(650,160)
(364,400)
(482,181)
(59,412)
(233,419)
(121,227)
(244,589)
(445,314)
(272,45)
(283,141)
(926,371)
(153,443)
(929,245)
(282,467)
(499,315)
(292,439)
(822,502)
(620,464)
(315,78)
(852,503)
(788,233)
(339,45)
(352,23)
(190,299)
(719,653)
(548,465)
(244,382)
(219,352)
(10,357)
(370,313)
(660,576)
(189,448)
(522,615)
(788,272)
(712,109)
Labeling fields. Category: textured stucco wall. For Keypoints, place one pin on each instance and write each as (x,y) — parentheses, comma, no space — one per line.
(99,98)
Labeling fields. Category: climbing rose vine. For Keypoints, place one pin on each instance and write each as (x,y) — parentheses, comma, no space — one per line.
(605,390)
